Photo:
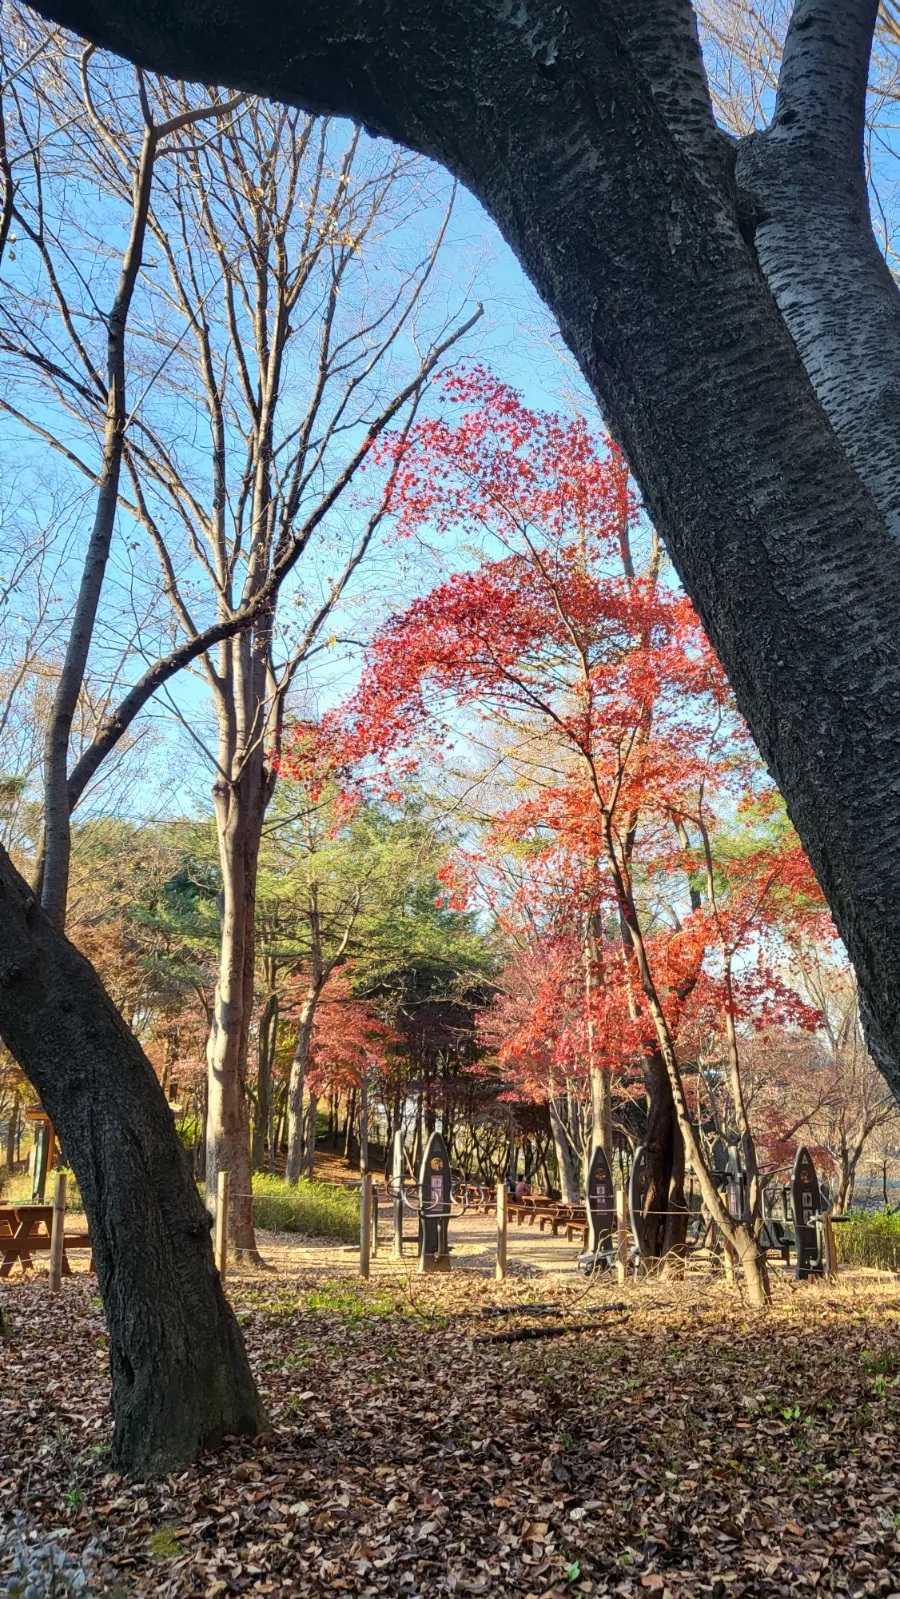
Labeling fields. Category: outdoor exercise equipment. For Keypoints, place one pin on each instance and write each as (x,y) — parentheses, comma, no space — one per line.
(44,1150)
(794,1214)
(601,1214)
(439,1195)
(806,1199)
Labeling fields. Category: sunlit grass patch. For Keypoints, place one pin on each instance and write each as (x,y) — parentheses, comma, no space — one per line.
(354,1301)
(317,1210)
(872,1238)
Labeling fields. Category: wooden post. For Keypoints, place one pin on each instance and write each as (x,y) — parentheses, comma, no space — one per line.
(58,1233)
(621,1235)
(502,1218)
(374,1219)
(222,1189)
(830,1250)
(397,1174)
(365,1224)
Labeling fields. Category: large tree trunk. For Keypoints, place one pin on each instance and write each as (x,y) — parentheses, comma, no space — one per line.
(587,133)
(180,1378)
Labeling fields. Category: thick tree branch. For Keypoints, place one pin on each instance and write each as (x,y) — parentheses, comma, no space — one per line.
(806,180)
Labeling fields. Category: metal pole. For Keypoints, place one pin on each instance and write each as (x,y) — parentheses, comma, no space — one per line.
(374,1219)
(622,1235)
(58,1233)
(502,1218)
(222,1192)
(365,1224)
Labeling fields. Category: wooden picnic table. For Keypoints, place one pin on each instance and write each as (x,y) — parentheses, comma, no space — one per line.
(552,1213)
(25,1230)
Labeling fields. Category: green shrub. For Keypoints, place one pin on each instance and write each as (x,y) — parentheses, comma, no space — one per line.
(872,1238)
(319,1210)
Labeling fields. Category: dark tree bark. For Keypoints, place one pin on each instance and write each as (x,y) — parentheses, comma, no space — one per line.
(586,131)
(664,1205)
(180,1378)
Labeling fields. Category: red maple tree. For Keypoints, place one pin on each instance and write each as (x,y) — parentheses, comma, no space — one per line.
(611,722)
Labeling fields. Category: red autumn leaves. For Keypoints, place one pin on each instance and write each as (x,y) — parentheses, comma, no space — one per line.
(623,785)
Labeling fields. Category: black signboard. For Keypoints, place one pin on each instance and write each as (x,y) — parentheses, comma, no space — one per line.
(601,1203)
(638,1184)
(807,1203)
(435,1183)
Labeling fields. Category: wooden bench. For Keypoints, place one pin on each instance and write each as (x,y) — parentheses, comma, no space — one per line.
(557,1215)
(25,1230)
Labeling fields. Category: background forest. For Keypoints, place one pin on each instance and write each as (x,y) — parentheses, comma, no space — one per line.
(352,720)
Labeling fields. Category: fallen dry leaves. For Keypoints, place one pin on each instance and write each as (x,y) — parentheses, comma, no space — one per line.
(691,1450)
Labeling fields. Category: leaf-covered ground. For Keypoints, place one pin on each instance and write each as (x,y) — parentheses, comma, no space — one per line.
(686,1449)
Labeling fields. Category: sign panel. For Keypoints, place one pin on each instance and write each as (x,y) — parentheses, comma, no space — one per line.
(735,1183)
(601,1202)
(435,1183)
(638,1183)
(807,1203)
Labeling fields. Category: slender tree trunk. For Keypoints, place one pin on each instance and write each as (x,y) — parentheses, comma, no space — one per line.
(57,842)
(262,1121)
(666,1222)
(348,1125)
(601,1109)
(240,810)
(297,1087)
(364,1123)
(601,1096)
(180,1378)
(565,1157)
(309,1154)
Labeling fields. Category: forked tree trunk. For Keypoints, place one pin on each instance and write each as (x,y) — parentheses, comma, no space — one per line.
(180,1377)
